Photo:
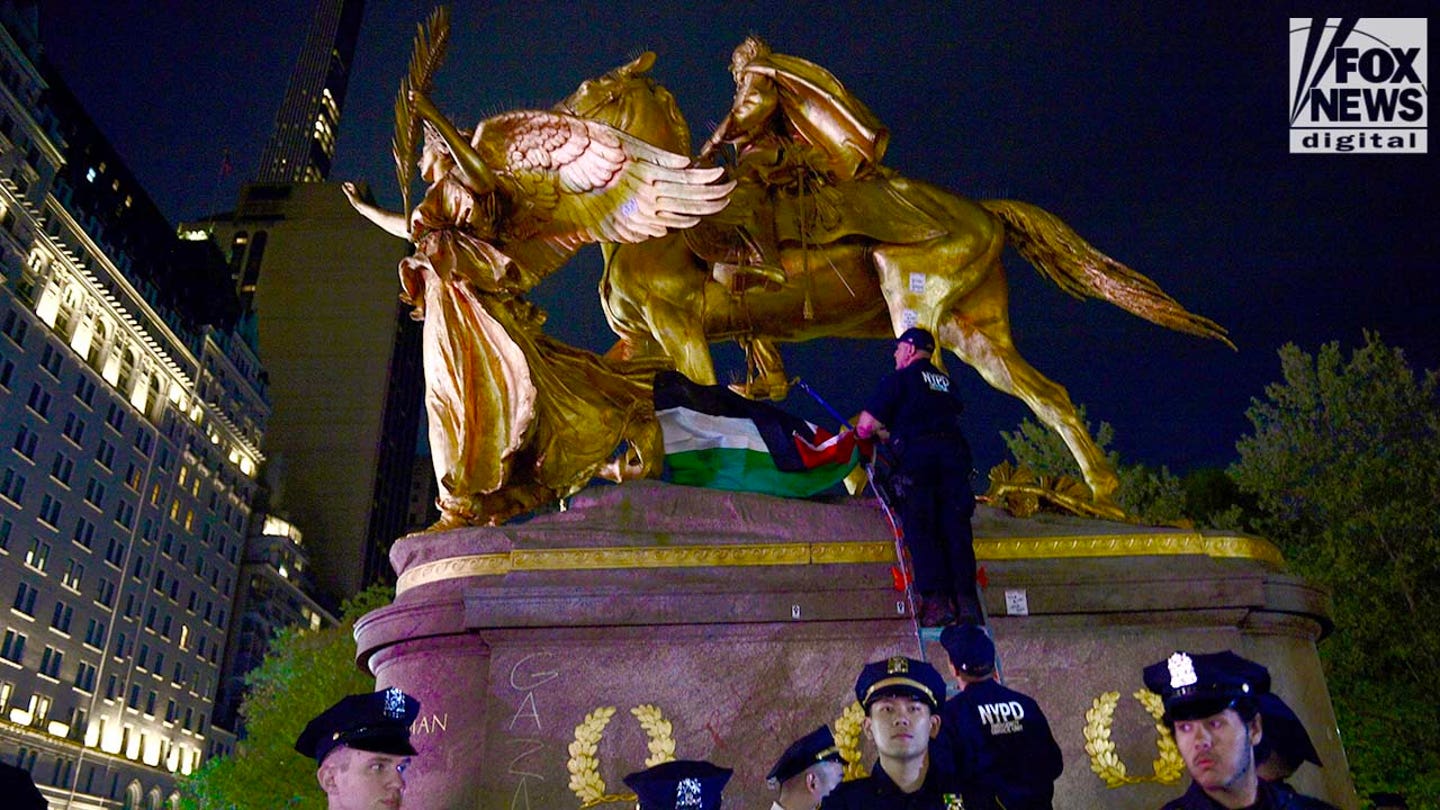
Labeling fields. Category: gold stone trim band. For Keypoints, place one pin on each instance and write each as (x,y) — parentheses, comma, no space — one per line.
(769,554)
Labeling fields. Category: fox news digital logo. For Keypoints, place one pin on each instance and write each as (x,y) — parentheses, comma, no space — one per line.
(1358,85)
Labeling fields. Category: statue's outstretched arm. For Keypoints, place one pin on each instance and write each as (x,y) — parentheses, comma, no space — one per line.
(391,222)
(473,171)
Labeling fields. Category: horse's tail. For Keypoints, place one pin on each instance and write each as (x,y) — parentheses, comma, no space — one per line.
(1076,267)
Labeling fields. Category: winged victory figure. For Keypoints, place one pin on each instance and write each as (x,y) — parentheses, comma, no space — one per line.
(516,418)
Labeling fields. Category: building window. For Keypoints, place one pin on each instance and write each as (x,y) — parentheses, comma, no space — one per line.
(61,618)
(50,361)
(115,417)
(25,599)
(105,454)
(85,677)
(95,493)
(12,485)
(105,592)
(95,634)
(114,553)
(85,390)
(84,533)
(50,662)
(25,440)
(74,429)
(5,528)
(38,555)
(14,326)
(125,514)
(62,468)
(50,511)
(72,575)
(39,401)
(13,648)
(7,372)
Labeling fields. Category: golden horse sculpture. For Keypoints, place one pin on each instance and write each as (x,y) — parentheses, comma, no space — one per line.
(660,298)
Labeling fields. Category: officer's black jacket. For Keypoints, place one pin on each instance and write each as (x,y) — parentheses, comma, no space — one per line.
(940,791)
(998,740)
(1268,797)
(919,403)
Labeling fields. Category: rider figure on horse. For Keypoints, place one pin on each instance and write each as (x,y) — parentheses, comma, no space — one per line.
(797,132)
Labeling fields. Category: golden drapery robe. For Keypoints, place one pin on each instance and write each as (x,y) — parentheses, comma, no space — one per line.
(515,417)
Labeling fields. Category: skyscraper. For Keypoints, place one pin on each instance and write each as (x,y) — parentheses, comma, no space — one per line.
(303,145)
(342,354)
(344,366)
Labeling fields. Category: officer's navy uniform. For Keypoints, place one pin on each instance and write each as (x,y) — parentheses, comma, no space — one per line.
(878,792)
(1267,797)
(918,404)
(999,739)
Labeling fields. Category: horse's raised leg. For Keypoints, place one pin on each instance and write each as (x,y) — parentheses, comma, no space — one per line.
(979,334)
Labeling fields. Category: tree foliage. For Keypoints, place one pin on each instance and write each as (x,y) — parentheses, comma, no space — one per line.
(304,673)
(1344,463)
(1155,496)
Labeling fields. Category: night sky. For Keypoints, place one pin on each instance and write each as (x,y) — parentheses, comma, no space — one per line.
(1157,131)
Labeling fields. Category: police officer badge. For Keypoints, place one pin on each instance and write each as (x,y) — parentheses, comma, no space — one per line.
(687,794)
(953,801)
(898,665)
(394,703)
(1182,671)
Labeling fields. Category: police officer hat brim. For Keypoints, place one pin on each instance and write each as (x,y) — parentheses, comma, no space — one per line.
(1197,707)
(902,688)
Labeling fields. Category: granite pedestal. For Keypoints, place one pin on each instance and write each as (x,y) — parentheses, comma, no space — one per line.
(650,621)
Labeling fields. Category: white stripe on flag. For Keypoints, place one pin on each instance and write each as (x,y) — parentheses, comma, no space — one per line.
(687,430)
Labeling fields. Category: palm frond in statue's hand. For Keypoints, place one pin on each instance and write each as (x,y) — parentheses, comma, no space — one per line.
(430,42)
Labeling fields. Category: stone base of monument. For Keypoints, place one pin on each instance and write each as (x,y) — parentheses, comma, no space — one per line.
(649,622)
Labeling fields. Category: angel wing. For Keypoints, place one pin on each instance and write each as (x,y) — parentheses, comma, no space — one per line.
(570,181)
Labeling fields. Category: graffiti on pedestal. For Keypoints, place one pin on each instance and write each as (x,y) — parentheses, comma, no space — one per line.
(525,726)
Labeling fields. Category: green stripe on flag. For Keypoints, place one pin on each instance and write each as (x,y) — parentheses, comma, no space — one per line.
(751,471)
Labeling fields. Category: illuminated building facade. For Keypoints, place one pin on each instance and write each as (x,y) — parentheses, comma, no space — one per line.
(303,144)
(132,419)
(274,594)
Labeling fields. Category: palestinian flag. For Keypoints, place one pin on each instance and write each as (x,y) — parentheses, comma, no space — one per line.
(718,439)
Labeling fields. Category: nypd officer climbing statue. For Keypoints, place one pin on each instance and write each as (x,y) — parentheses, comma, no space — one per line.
(918,408)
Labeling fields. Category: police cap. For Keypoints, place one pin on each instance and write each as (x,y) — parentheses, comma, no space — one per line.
(1195,686)
(681,784)
(970,650)
(900,676)
(375,721)
(817,746)
(919,338)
